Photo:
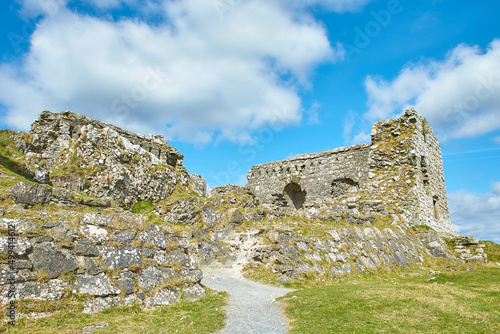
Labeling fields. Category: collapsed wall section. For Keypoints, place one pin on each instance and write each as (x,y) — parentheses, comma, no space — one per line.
(306,178)
(51,128)
(80,154)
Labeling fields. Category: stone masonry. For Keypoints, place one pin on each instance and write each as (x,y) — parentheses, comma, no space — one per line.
(399,173)
(66,126)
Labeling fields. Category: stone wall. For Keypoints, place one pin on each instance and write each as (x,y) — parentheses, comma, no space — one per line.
(313,176)
(113,259)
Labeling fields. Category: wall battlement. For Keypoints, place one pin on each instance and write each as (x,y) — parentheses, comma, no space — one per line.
(400,172)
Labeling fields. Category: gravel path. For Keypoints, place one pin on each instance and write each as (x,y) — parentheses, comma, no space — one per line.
(251,308)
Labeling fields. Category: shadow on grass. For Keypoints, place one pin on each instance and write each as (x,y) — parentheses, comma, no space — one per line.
(15,167)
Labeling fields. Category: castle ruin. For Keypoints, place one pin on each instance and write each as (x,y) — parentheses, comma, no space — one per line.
(66,125)
(399,173)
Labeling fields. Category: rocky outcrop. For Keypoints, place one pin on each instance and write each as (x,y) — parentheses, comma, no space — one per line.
(31,194)
(469,249)
(330,253)
(77,153)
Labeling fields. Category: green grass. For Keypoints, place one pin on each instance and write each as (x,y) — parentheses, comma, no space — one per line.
(455,302)
(142,207)
(493,251)
(11,160)
(203,316)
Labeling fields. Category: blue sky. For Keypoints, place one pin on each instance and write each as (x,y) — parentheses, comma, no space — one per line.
(234,83)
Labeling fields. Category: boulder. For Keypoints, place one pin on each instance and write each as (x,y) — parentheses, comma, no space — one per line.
(64,232)
(235,217)
(52,290)
(96,219)
(153,237)
(22,246)
(150,278)
(30,193)
(197,183)
(124,237)
(162,297)
(95,234)
(92,266)
(211,217)
(126,282)
(193,293)
(82,247)
(98,202)
(47,257)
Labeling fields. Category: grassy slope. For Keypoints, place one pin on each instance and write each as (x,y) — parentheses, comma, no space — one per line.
(455,302)
(203,316)
(11,161)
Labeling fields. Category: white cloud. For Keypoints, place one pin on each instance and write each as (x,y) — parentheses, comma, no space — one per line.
(362,138)
(196,74)
(476,215)
(349,122)
(460,95)
(496,139)
(34,8)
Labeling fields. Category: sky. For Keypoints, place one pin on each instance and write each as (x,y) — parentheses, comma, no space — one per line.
(235,83)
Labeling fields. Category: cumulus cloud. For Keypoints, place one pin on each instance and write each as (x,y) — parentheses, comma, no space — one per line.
(476,215)
(460,95)
(198,75)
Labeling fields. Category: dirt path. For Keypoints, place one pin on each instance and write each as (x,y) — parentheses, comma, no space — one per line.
(251,308)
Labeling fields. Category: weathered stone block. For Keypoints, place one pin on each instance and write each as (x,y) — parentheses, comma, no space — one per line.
(48,258)
(30,193)
(118,257)
(96,285)
(162,297)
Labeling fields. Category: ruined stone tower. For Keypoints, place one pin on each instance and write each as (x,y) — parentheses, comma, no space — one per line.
(400,173)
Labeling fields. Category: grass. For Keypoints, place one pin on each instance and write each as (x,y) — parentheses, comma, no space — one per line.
(11,160)
(142,207)
(203,316)
(454,302)
(493,251)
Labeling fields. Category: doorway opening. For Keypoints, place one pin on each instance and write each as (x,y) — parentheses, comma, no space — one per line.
(295,195)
